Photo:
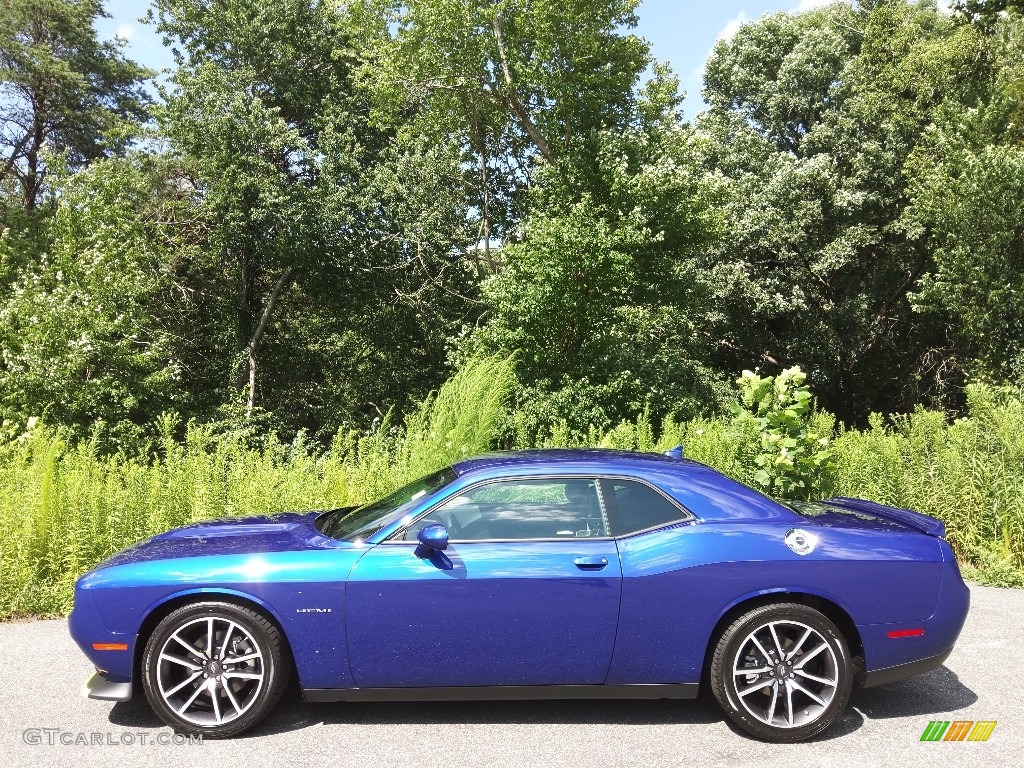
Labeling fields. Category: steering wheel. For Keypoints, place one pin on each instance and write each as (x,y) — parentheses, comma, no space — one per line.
(454,529)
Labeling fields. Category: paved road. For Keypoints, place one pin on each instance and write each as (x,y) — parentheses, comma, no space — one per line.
(43,671)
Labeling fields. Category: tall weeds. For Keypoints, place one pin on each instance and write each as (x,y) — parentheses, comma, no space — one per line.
(63,508)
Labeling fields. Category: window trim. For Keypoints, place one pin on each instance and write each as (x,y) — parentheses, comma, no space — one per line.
(687,515)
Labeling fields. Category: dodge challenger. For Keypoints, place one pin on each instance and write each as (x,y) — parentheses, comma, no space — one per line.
(562,574)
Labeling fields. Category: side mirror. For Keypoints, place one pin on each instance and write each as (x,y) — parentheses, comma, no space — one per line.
(433,536)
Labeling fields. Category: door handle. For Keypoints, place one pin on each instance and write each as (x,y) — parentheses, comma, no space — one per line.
(591,563)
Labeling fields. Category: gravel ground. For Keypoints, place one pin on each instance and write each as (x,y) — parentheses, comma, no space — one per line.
(44,672)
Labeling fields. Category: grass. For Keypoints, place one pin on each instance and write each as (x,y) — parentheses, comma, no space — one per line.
(63,508)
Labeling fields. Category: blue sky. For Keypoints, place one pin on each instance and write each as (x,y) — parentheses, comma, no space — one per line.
(682,33)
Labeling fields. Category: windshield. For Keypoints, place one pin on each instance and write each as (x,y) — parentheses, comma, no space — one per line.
(352,524)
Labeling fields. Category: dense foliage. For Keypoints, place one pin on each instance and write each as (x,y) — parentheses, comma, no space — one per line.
(328,206)
(325,209)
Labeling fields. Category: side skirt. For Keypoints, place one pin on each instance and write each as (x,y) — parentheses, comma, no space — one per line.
(504,693)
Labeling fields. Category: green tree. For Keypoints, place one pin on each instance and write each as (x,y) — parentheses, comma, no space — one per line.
(92,333)
(602,300)
(510,86)
(815,115)
(339,270)
(60,88)
(968,190)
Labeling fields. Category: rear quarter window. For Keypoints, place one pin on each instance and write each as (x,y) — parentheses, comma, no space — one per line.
(634,506)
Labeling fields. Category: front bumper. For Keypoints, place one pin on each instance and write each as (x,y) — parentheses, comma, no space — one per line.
(92,636)
(99,687)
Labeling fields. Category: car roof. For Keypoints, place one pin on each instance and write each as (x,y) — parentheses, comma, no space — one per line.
(707,493)
(566,456)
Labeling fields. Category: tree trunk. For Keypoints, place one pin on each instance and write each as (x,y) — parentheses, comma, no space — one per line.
(512,100)
(247,372)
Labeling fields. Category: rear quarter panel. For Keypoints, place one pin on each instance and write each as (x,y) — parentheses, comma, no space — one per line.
(679,582)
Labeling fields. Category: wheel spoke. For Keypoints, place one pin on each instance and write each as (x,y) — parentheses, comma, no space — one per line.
(240,659)
(191,699)
(179,660)
(789,705)
(799,643)
(242,675)
(227,636)
(216,702)
(231,696)
(187,646)
(774,702)
(209,637)
(751,688)
(195,675)
(778,645)
(758,671)
(808,656)
(817,699)
(761,649)
(815,678)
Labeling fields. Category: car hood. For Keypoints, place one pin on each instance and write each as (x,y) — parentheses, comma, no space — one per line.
(284,532)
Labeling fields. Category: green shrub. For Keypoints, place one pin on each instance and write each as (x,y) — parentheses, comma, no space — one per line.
(793,459)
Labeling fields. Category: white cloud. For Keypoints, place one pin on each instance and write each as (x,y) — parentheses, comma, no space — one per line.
(732,26)
(127,31)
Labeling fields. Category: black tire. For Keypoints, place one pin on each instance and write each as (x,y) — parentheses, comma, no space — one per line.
(236,695)
(764,711)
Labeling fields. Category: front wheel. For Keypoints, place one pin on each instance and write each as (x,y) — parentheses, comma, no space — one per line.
(214,669)
(782,672)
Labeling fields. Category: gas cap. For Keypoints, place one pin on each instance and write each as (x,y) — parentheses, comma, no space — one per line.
(800,541)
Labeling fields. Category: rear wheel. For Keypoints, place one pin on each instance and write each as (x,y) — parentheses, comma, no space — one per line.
(214,669)
(782,672)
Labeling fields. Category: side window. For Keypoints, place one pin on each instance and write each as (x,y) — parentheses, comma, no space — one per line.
(636,507)
(520,509)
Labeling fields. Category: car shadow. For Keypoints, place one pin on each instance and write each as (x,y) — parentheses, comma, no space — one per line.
(296,715)
(931,693)
(937,691)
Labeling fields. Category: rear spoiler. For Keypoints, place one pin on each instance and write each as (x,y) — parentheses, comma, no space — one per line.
(924,523)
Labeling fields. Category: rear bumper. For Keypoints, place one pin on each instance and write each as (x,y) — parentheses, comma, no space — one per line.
(903,671)
(99,687)
(895,657)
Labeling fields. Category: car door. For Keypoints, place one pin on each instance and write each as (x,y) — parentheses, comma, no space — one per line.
(661,636)
(527,592)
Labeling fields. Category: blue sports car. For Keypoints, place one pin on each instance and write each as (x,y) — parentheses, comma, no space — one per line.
(529,575)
